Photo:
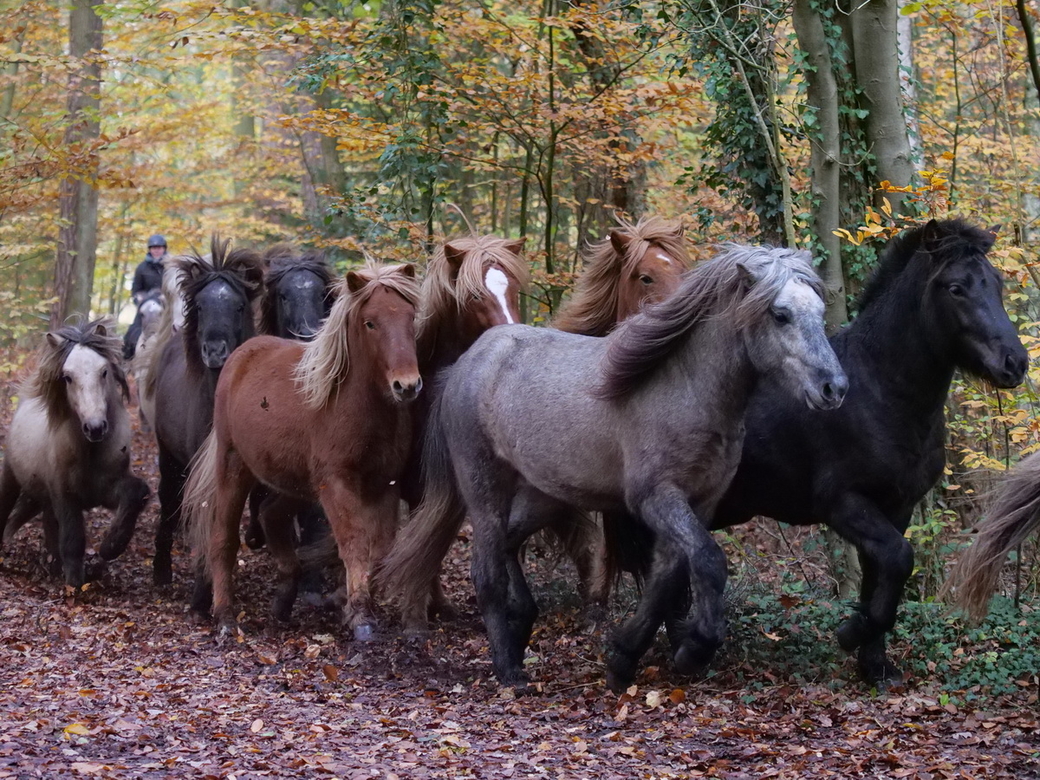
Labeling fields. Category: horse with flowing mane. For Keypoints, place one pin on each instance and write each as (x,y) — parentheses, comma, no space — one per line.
(325,421)
(933,306)
(656,410)
(68,447)
(635,264)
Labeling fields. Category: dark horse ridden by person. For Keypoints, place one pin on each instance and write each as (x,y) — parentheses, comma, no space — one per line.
(649,420)
(218,300)
(68,448)
(933,306)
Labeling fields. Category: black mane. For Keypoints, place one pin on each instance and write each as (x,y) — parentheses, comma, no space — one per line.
(952,238)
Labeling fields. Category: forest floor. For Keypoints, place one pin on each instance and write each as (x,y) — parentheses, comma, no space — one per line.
(122,681)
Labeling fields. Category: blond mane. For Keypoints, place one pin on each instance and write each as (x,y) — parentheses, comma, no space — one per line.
(326,359)
(593,307)
(444,293)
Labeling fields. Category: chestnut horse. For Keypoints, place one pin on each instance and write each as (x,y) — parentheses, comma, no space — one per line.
(218,299)
(326,421)
(68,448)
(635,264)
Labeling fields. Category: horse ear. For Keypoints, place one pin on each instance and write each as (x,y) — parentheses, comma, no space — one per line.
(931,233)
(55,340)
(680,230)
(517,246)
(620,241)
(101,329)
(454,256)
(356,282)
(994,229)
(407,269)
(745,277)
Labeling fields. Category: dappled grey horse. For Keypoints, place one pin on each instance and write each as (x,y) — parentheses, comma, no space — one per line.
(647,424)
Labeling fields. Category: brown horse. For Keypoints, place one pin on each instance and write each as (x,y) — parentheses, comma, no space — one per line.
(634,265)
(325,421)
(471,284)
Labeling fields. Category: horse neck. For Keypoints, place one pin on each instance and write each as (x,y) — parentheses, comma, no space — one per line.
(893,346)
(441,343)
(718,371)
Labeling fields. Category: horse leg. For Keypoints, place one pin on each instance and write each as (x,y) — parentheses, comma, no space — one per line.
(277,522)
(51,546)
(127,501)
(25,509)
(233,482)
(686,558)
(171,487)
(255,529)
(9,492)
(355,519)
(582,540)
(72,541)
(888,561)
(313,527)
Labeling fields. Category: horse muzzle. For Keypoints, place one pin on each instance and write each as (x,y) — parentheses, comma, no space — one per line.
(405,390)
(829,394)
(215,354)
(1012,369)
(95,431)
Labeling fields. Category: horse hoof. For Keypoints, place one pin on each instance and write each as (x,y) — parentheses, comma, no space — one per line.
(692,660)
(226,631)
(112,549)
(853,632)
(364,633)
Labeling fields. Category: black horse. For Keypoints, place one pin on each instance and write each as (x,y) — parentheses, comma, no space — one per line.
(218,297)
(933,306)
(299,290)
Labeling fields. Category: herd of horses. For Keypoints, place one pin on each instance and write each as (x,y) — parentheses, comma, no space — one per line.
(667,400)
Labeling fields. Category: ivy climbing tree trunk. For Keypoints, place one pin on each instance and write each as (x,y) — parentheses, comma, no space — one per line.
(876,55)
(825,155)
(78,198)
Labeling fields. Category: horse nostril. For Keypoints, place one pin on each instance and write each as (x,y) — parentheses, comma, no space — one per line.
(398,387)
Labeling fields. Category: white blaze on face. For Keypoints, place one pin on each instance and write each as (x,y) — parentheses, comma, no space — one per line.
(666,258)
(88,385)
(498,284)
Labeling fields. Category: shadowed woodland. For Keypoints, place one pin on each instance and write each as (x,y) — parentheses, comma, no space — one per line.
(350,195)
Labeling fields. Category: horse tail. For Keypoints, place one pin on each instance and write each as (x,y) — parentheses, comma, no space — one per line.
(1013,515)
(198,507)
(412,565)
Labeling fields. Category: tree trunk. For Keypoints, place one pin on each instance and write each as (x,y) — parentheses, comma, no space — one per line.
(822,89)
(876,57)
(78,198)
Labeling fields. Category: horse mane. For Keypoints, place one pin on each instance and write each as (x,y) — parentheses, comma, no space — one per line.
(444,291)
(280,260)
(326,359)
(46,381)
(592,308)
(645,340)
(171,293)
(952,238)
(240,268)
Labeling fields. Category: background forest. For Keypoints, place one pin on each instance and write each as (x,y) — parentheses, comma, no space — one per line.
(352,126)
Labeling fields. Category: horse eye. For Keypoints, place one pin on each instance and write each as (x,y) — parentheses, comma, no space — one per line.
(370,325)
(782,316)
(104,374)
(648,280)
(956,290)
(66,379)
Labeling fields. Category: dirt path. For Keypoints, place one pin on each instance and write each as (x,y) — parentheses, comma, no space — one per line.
(121,681)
